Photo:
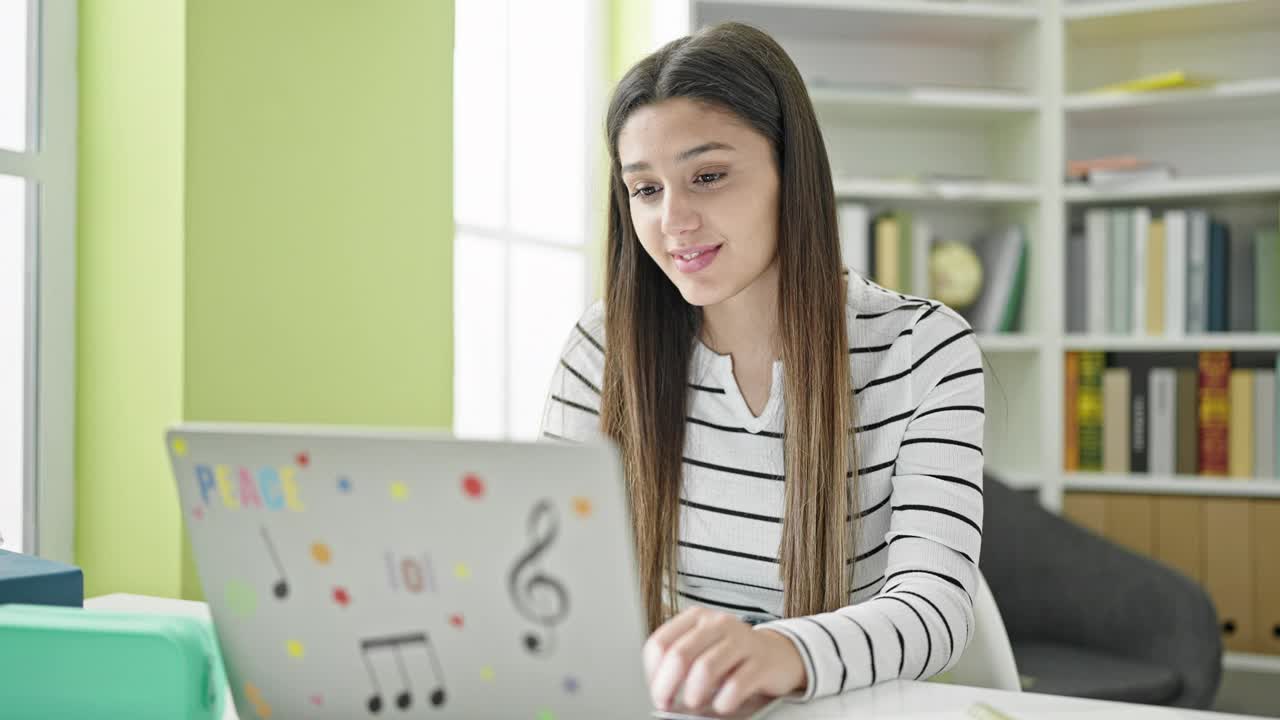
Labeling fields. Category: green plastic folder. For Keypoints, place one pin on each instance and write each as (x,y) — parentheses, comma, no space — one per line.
(58,662)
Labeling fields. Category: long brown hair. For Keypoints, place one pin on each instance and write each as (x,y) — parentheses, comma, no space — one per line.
(650,328)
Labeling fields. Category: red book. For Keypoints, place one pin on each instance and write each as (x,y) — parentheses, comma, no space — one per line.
(1215,410)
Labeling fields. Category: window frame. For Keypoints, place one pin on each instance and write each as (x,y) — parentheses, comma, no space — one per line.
(593,219)
(48,165)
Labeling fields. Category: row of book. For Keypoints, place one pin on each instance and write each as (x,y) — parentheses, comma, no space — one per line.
(984,278)
(1208,413)
(1129,272)
(1227,545)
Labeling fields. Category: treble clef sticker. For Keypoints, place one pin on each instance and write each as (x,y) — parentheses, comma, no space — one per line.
(540,598)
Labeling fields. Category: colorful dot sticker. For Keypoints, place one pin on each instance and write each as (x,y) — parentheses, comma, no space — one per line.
(179,447)
(399,491)
(473,486)
(486,673)
(295,649)
(344,484)
(582,507)
(260,706)
(461,571)
(197,512)
(456,620)
(240,598)
(341,596)
(546,715)
(303,459)
(321,553)
(317,699)
(571,685)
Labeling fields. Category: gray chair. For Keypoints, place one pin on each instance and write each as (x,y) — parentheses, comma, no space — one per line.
(1089,618)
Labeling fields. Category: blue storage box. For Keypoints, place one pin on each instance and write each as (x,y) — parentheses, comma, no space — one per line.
(31,580)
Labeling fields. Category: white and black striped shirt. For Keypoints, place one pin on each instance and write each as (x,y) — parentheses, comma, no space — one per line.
(919,414)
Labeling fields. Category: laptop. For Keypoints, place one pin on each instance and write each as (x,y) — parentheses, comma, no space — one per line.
(360,572)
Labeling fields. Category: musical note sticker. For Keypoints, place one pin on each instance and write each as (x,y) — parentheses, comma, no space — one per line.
(281,587)
(413,570)
(537,596)
(396,644)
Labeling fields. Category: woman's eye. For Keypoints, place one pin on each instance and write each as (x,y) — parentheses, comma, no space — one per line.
(644,191)
(708,178)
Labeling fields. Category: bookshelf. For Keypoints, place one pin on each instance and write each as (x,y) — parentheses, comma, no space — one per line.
(1000,92)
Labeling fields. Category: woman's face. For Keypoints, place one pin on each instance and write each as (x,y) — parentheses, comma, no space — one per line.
(701,181)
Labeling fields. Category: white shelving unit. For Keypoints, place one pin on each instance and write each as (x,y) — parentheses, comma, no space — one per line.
(912,89)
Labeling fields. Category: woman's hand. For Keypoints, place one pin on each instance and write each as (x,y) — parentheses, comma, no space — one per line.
(714,657)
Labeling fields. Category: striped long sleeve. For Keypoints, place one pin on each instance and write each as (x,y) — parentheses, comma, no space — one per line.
(919,416)
(921,619)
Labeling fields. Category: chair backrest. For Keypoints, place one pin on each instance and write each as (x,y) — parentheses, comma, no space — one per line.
(988,661)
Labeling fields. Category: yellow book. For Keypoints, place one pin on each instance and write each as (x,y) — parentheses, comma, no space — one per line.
(888,258)
(1172,80)
(1155,278)
(1240,425)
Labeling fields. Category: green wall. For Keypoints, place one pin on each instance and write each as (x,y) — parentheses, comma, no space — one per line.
(129,293)
(630,34)
(265,235)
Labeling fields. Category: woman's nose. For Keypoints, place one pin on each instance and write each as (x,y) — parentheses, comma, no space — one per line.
(678,215)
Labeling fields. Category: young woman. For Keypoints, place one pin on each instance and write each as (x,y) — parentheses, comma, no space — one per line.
(802,447)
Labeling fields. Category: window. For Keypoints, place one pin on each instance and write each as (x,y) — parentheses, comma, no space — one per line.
(528,123)
(37,271)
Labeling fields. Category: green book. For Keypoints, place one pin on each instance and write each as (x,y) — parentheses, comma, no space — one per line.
(1266,284)
(1013,304)
(1089,410)
(1120,273)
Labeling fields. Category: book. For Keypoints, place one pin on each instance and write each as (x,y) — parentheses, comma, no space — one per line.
(888,270)
(1240,424)
(1077,285)
(1155,172)
(1215,406)
(1089,410)
(1138,269)
(1119,272)
(1198,272)
(1003,257)
(1140,366)
(1219,237)
(1155,270)
(1115,420)
(1097,300)
(1188,408)
(1162,438)
(852,221)
(1071,421)
(921,247)
(1169,80)
(1266,282)
(1175,272)
(1264,424)
(1240,277)
(1080,169)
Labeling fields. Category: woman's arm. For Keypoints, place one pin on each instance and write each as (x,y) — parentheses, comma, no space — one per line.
(572,409)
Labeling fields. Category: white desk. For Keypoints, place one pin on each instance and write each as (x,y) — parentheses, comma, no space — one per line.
(897,700)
